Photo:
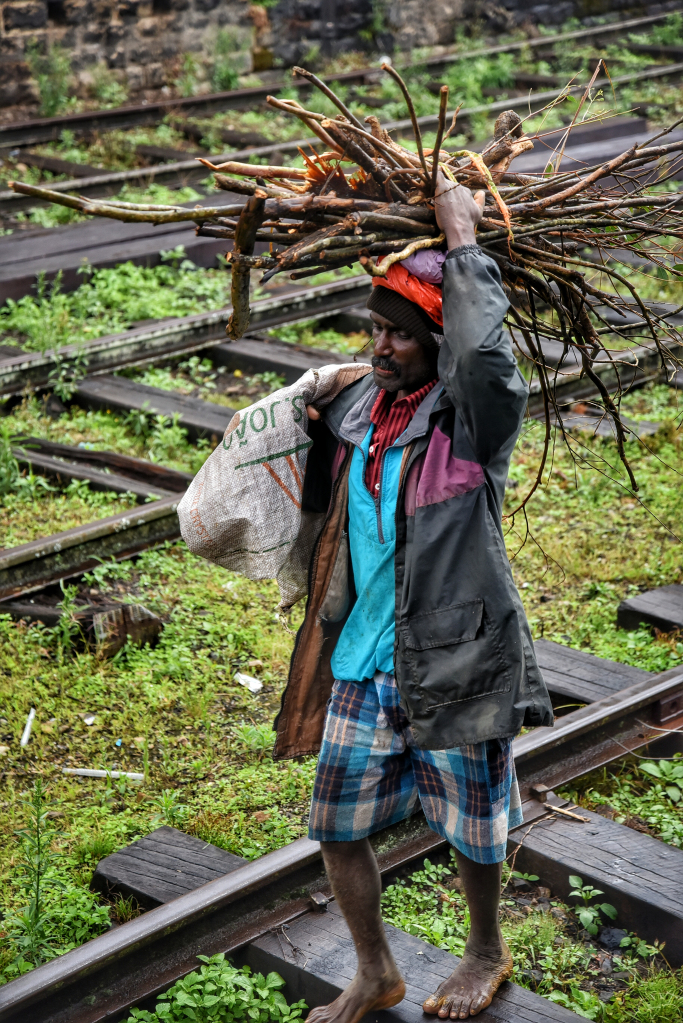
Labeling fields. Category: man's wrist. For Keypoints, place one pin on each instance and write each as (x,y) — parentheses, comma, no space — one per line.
(457,237)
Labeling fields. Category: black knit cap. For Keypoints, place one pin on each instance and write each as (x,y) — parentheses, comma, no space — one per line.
(406,315)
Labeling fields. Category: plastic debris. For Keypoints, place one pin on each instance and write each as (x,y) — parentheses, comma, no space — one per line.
(87,772)
(26,734)
(88,719)
(252,684)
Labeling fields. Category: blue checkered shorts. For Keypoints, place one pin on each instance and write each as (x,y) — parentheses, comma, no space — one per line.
(371,774)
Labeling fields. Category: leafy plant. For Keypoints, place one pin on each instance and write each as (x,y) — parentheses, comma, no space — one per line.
(29,485)
(107,88)
(67,374)
(225,76)
(587,914)
(9,467)
(255,737)
(171,810)
(220,993)
(51,70)
(670,772)
(35,860)
(67,630)
(524,877)
(186,82)
(583,1003)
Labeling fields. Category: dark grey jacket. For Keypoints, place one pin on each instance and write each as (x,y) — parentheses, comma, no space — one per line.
(464,659)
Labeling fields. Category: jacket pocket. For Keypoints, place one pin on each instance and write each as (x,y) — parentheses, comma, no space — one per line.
(452,654)
(456,623)
(335,603)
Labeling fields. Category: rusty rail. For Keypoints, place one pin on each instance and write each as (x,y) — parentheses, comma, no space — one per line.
(181,336)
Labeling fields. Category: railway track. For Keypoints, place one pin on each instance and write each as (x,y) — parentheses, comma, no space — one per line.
(240,912)
(166,338)
(33,132)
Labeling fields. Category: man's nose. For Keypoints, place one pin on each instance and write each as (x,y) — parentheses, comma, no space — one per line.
(382,345)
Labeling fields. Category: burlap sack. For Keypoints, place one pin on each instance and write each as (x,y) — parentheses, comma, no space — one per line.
(243,508)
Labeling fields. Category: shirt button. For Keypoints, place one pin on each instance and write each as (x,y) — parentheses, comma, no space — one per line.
(376,486)
(372,448)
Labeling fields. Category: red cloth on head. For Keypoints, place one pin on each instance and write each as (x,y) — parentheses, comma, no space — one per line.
(427,296)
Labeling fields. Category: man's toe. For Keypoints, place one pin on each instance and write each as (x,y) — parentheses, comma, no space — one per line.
(431,1005)
(444,1008)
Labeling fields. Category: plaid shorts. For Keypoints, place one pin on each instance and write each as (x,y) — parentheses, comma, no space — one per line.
(371,774)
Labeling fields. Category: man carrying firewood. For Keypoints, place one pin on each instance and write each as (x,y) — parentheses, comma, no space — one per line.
(424,638)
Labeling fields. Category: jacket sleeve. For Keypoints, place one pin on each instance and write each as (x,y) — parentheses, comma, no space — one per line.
(476,365)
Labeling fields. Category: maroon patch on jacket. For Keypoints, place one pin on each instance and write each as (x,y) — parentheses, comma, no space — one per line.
(440,476)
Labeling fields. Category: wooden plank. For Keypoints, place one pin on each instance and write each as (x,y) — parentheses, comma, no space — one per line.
(173,480)
(105,627)
(199,418)
(161,866)
(662,608)
(323,962)
(577,675)
(641,876)
(58,469)
(57,166)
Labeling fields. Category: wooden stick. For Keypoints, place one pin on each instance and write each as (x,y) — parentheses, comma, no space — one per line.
(396,257)
(254,170)
(251,262)
(250,220)
(249,187)
(443,106)
(328,92)
(413,116)
(355,151)
(309,119)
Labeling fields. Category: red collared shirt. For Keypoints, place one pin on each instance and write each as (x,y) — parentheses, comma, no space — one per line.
(390,418)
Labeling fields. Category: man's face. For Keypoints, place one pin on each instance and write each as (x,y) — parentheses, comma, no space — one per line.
(400,362)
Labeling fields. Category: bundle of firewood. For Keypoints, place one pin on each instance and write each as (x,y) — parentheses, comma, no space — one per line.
(560,238)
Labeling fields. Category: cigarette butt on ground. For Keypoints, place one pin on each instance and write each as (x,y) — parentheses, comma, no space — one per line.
(26,734)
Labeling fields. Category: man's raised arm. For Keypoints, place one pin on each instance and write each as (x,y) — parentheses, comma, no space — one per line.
(476,363)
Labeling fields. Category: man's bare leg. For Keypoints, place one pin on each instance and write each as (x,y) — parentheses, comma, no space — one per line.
(352,870)
(487,961)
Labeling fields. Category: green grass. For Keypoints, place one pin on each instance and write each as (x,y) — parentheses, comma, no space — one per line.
(642,793)
(40,508)
(591,542)
(111,300)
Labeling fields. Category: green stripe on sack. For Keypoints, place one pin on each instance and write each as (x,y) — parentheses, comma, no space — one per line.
(279,454)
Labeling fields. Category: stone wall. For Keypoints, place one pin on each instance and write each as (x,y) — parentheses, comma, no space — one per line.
(140,41)
(144,44)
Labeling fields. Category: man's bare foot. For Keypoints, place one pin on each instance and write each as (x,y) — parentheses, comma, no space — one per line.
(366,992)
(473,983)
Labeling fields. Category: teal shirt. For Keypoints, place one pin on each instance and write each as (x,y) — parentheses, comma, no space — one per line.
(366,643)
